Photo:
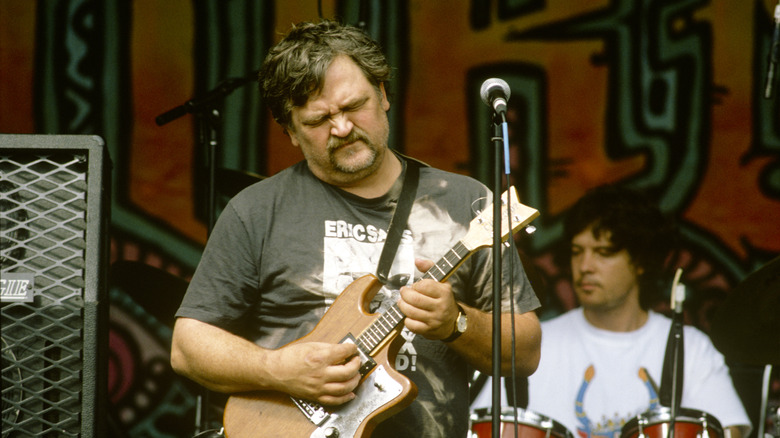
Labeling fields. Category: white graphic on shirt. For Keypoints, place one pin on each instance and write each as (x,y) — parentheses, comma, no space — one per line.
(351,251)
(407,355)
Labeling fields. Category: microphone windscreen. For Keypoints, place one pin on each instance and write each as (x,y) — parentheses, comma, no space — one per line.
(493,84)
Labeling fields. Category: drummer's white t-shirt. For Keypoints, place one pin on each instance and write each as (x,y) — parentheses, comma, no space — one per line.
(594,381)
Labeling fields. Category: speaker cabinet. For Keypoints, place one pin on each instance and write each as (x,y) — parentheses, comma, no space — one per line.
(54,193)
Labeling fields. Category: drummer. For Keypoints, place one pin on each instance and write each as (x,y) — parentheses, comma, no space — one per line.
(602,362)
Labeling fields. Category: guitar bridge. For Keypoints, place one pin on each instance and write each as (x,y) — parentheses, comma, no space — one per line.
(315,412)
(378,390)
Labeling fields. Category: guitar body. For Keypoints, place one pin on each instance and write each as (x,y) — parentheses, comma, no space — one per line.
(382,392)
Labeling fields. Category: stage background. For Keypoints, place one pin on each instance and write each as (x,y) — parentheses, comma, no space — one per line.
(663,96)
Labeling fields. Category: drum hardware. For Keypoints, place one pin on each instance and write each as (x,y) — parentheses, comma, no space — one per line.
(547,425)
(704,428)
(764,399)
(641,422)
(674,359)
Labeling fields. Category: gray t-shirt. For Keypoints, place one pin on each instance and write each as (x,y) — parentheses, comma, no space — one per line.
(284,248)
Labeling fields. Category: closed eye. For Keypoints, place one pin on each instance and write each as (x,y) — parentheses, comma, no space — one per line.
(607,251)
(354,106)
(315,122)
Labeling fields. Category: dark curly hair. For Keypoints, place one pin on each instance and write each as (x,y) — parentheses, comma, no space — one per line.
(634,224)
(294,68)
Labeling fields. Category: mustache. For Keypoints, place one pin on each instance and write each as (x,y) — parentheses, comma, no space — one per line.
(354,135)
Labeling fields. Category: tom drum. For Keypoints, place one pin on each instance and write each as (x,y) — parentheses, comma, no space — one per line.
(529,424)
(688,423)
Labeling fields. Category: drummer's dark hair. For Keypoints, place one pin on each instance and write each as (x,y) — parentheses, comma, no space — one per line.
(294,68)
(635,224)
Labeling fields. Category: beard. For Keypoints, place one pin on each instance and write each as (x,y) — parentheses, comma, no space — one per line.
(357,160)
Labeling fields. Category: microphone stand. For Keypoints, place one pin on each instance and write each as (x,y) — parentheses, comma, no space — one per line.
(774,56)
(207,102)
(209,122)
(672,378)
(677,361)
(498,142)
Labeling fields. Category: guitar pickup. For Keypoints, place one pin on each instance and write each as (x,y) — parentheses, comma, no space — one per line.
(367,363)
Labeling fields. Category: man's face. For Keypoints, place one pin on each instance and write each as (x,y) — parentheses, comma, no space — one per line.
(604,279)
(343,130)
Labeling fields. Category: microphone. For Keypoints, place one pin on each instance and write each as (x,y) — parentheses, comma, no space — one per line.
(495,93)
(774,56)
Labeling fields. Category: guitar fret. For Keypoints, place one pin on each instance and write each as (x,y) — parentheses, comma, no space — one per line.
(398,317)
(450,260)
(370,335)
(462,250)
(375,331)
(441,270)
(380,328)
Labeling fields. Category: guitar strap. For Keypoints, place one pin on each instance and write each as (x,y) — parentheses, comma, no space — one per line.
(398,223)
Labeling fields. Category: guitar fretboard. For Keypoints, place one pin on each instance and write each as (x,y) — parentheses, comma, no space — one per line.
(376,333)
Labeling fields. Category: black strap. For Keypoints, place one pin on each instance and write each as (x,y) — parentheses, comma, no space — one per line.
(398,223)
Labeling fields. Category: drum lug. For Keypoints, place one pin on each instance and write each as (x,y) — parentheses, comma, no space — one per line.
(641,423)
(704,427)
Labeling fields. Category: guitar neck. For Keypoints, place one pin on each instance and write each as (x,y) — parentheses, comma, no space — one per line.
(448,264)
(391,319)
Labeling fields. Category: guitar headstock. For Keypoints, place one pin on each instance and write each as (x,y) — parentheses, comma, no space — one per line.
(480,232)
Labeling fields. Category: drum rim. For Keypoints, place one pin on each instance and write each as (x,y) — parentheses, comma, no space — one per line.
(663,413)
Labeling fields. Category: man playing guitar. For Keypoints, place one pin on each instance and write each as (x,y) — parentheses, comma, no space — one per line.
(285,248)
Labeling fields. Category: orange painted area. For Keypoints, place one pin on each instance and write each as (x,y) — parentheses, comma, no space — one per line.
(444,48)
(162,78)
(729,203)
(17,43)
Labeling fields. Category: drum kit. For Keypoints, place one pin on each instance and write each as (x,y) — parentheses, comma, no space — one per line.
(655,423)
(746,329)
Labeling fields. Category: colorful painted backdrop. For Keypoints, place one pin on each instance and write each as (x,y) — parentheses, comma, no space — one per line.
(660,95)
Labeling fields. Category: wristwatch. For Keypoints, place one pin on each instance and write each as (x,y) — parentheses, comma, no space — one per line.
(461,323)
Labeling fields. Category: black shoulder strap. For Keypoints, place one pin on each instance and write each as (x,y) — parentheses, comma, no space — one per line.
(398,222)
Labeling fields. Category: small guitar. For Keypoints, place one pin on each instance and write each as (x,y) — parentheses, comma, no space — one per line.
(382,391)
